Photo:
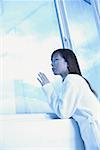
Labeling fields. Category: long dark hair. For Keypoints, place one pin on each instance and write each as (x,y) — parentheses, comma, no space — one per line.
(73,65)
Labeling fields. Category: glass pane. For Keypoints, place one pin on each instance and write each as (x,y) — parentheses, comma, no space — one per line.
(85,38)
(28,34)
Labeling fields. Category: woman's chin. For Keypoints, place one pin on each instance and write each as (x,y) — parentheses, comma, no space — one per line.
(55,73)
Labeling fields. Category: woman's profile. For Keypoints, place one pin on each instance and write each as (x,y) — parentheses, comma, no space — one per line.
(76,98)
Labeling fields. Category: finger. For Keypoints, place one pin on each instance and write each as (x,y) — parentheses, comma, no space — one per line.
(40,81)
(42,76)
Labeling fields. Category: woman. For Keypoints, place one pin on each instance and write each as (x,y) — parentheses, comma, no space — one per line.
(76,98)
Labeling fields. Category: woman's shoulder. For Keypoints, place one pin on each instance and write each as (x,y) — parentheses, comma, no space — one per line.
(75,79)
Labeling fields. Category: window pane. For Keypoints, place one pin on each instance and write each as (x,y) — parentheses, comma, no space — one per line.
(85,38)
(28,34)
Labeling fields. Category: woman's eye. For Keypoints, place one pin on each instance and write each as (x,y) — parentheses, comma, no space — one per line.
(56,59)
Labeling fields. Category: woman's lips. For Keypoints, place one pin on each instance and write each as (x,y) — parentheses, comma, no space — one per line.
(53,69)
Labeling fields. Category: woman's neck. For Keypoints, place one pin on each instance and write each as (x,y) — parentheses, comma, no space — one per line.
(64,76)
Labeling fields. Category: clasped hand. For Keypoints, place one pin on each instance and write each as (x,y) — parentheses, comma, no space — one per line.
(42,78)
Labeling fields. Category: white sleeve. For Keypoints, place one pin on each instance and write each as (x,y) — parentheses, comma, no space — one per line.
(66,105)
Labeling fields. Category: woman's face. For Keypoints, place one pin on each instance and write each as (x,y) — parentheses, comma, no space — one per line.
(59,65)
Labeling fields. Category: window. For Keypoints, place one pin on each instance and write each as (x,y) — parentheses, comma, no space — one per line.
(85,37)
(28,34)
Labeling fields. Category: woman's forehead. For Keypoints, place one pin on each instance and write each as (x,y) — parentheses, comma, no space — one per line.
(56,55)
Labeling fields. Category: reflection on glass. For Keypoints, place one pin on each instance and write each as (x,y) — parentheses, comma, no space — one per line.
(29,34)
(85,38)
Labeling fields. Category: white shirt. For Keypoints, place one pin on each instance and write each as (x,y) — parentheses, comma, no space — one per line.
(75,99)
(74,94)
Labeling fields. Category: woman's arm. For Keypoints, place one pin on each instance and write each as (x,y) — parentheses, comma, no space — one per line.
(63,103)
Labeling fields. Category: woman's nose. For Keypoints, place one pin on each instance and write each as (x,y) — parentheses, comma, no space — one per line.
(52,64)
